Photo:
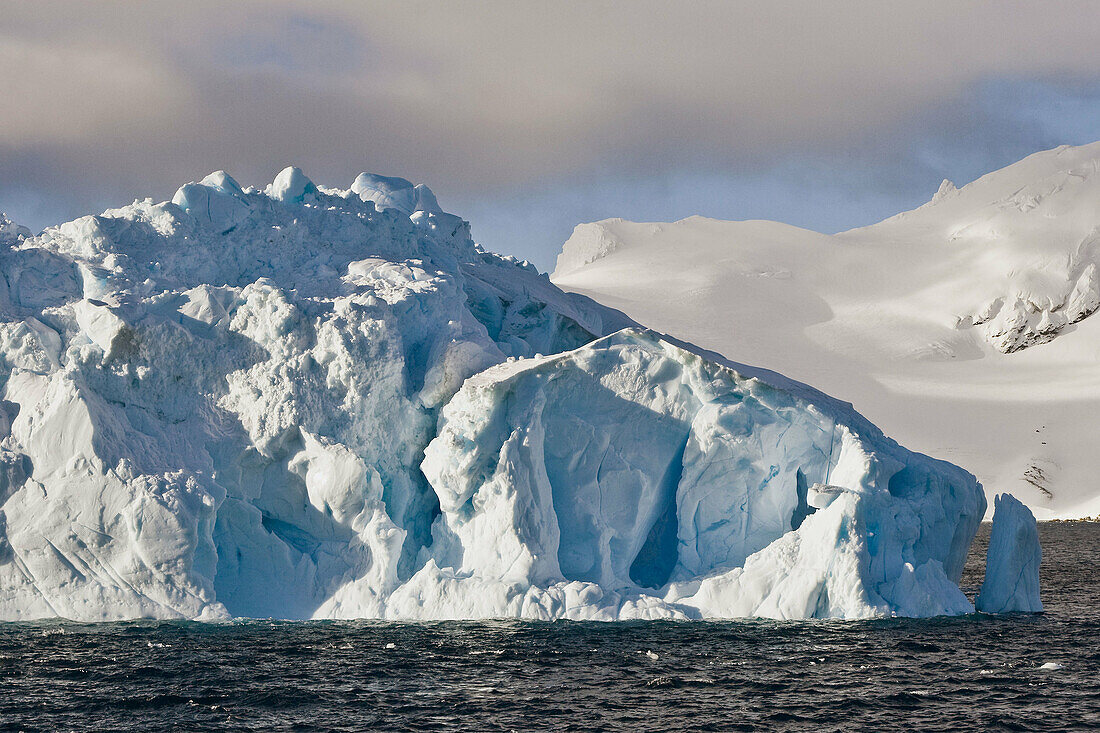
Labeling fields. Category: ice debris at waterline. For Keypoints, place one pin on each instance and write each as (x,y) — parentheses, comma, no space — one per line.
(1012,563)
(307,402)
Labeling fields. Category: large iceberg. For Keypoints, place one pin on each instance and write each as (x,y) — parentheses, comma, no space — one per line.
(306,402)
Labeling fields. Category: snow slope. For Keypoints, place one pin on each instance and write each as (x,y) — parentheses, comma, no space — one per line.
(962,327)
(308,402)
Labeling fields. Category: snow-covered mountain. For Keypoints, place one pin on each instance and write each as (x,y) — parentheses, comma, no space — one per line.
(965,327)
(310,402)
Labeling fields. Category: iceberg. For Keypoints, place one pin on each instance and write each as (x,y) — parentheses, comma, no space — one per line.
(306,402)
(1012,562)
(638,465)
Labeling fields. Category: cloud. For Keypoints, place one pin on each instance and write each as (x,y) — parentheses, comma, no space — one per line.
(100,102)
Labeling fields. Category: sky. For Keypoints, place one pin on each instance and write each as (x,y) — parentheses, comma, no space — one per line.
(527,118)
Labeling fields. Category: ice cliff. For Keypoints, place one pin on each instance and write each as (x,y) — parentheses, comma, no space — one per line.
(308,402)
(1012,561)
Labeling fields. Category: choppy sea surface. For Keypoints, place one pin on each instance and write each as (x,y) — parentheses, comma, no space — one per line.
(972,673)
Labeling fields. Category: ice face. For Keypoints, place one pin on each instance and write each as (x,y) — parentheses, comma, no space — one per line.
(632,463)
(222,402)
(305,402)
(1012,564)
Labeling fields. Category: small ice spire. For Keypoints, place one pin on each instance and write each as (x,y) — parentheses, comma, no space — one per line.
(10,230)
(391,192)
(946,189)
(223,182)
(1012,562)
(291,185)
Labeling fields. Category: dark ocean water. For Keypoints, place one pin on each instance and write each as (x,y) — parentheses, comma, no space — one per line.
(975,673)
